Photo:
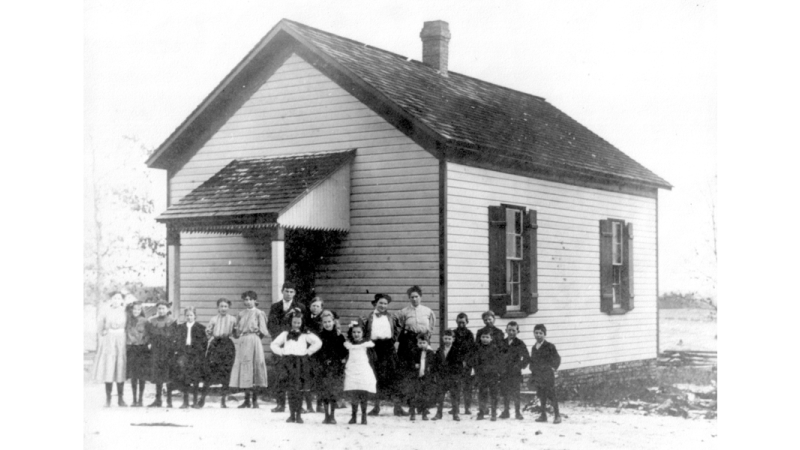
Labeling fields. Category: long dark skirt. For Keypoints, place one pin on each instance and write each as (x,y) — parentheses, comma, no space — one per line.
(386,368)
(295,373)
(219,361)
(162,360)
(190,366)
(138,365)
(329,380)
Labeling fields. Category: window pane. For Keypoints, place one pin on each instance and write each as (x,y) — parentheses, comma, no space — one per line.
(616,245)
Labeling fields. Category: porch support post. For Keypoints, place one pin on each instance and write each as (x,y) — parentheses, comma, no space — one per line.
(278,263)
(174,268)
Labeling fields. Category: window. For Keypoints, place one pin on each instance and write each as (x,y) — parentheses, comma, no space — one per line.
(514,243)
(512,261)
(616,266)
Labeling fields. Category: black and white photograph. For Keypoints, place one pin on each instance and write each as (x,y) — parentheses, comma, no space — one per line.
(396,225)
(400,225)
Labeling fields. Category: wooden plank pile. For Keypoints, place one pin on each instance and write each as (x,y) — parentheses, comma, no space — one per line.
(680,358)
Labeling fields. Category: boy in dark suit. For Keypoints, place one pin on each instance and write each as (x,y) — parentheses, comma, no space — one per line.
(544,363)
(464,344)
(488,363)
(422,384)
(448,373)
(516,360)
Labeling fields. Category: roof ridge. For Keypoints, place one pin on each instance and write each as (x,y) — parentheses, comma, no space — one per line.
(415,61)
(407,58)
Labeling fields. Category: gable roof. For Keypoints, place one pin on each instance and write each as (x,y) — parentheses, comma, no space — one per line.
(456,117)
(256,186)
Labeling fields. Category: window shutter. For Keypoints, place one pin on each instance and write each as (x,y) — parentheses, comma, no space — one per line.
(498,299)
(627,269)
(606,274)
(530,263)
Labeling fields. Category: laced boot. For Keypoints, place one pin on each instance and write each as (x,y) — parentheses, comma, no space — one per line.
(185,403)
(246,403)
(355,413)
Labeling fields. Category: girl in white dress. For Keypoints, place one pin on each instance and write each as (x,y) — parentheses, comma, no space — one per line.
(359,375)
(111,357)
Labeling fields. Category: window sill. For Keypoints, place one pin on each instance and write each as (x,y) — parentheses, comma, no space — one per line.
(515,315)
(617,312)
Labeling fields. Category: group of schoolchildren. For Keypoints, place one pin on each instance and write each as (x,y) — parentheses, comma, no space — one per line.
(313,357)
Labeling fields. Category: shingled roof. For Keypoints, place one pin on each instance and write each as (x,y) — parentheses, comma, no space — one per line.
(471,121)
(256,186)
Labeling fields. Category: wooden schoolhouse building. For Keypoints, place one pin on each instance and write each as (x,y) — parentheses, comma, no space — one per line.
(486,197)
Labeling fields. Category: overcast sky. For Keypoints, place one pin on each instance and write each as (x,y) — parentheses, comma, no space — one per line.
(640,74)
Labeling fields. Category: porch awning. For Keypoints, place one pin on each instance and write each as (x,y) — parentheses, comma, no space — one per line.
(310,191)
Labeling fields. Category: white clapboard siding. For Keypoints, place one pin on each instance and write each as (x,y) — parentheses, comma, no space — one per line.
(394,220)
(569,251)
(218,266)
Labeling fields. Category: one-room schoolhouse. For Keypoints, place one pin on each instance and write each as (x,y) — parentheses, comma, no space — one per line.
(384,172)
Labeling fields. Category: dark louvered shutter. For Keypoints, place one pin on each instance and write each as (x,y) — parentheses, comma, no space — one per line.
(606,272)
(498,298)
(627,269)
(530,263)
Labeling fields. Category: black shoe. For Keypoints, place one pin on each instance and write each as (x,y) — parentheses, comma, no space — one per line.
(121,403)
(136,405)
(352,420)
(108,403)
(412,416)
(374,411)
(184,405)
(291,419)
(246,404)
(155,404)
(505,415)
(202,402)
(299,420)
(518,416)
(169,404)
(332,421)
(437,416)
(222,402)
(398,411)
(493,418)
(363,419)
(467,412)
(542,418)
(424,415)
(197,406)
(480,416)
(456,418)
(557,420)
(452,411)
(278,409)
(303,411)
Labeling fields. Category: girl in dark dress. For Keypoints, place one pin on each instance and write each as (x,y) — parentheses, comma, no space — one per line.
(330,366)
(295,346)
(221,352)
(191,343)
(138,356)
(160,331)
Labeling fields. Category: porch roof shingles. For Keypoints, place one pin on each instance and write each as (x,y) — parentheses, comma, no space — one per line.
(481,119)
(256,186)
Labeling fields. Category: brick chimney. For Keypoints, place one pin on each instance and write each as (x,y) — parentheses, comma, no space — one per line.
(435,36)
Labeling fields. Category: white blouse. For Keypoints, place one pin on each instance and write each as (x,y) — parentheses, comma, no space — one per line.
(306,344)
